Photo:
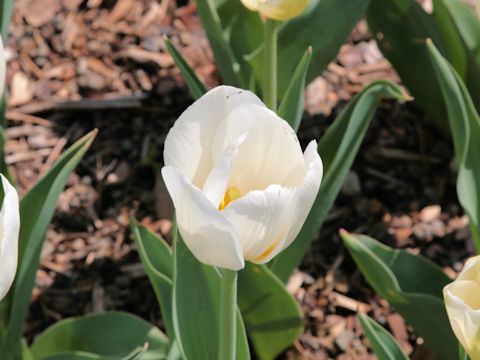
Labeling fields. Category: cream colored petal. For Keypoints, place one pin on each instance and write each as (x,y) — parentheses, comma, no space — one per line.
(188,143)
(471,270)
(262,220)
(217,181)
(282,9)
(465,320)
(206,232)
(251,4)
(9,230)
(306,194)
(271,154)
(3,68)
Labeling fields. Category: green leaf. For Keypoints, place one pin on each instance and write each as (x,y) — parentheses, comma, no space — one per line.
(465,127)
(157,260)
(325,25)
(411,284)
(227,65)
(109,335)
(196,307)
(337,149)
(401,32)
(292,106)
(196,87)
(36,210)
(383,344)
(272,316)
(244,32)
(6,8)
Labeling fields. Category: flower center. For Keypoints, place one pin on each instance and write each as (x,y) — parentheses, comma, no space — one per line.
(231,194)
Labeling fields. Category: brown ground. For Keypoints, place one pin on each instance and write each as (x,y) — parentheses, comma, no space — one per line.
(78,65)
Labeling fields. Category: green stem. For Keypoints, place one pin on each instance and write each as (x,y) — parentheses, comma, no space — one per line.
(228,316)
(270,64)
(475,235)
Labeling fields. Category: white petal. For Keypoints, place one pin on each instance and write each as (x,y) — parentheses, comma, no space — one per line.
(262,219)
(281,9)
(188,143)
(271,154)
(3,68)
(306,194)
(217,181)
(9,230)
(206,232)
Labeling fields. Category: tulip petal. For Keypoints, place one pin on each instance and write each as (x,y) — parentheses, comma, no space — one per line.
(307,192)
(9,230)
(217,180)
(281,9)
(188,144)
(262,219)
(205,230)
(271,154)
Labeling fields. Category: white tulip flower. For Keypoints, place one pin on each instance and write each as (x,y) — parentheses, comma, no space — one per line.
(462,300)
(241,186)
(9,230)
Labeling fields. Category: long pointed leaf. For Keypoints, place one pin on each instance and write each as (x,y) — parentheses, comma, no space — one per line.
(36,210)
(465,126)
(196,87)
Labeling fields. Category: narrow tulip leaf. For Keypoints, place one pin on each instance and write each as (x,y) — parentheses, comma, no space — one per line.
(227,65)
(36,210)
(465,126)
(157,260)
(108,335)
(196,87)
(292,106)
(196,308)
(272,316)
(383,344)
(414,289)
(337,149)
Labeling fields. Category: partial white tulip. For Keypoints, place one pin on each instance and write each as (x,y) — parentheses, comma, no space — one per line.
(462,300)
(241,186)
(277,9)
(9,230)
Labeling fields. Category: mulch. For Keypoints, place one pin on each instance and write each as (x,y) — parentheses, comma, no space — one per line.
(76,65)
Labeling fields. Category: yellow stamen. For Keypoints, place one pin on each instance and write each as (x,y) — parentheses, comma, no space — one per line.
(231,194)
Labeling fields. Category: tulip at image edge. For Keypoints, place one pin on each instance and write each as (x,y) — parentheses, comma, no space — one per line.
(9,230)
(462,301)
(277,9)
(240,184)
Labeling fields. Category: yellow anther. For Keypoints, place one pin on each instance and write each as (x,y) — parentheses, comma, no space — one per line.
(231,194)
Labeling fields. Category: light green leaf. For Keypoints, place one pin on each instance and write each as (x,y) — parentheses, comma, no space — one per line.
(196,87)
(272,316)
(196,307)
(6,9)
(292,106)
(109,335)
(337,149)
(465,127)
(227,65)
(383,344)
(36,210)
(157,260)
(412,285)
